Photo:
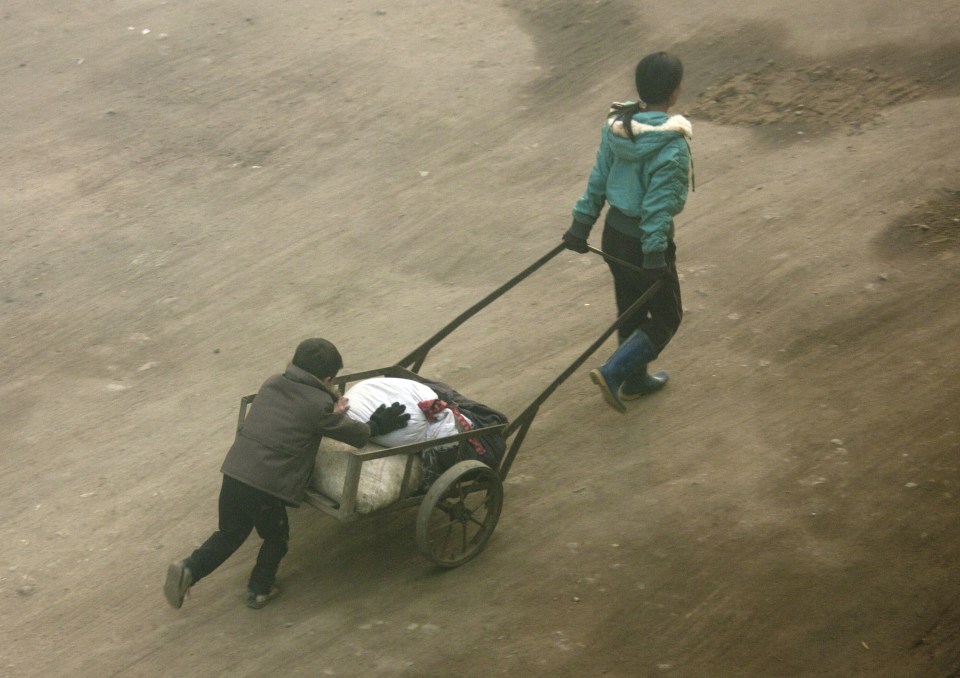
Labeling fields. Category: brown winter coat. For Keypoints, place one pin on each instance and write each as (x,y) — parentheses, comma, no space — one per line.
(276,447)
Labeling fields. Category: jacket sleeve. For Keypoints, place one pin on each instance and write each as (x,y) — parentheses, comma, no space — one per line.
(664,198)
(588,207)
(343,428)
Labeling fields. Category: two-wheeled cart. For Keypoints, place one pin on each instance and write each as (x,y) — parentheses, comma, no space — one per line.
(459,511)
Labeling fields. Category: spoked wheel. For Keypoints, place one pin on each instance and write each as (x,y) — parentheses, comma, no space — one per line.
(459,513)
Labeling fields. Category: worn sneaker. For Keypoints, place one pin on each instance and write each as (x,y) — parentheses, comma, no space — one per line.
(258,600)
(179,581)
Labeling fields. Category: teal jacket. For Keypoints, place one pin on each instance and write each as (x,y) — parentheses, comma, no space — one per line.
(646,180)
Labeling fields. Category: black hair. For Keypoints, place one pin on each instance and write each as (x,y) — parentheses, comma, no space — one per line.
(318,357)
(657,77)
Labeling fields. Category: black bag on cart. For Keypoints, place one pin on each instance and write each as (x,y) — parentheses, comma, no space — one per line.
(487,448)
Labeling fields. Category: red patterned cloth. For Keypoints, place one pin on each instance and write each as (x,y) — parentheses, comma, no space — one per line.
(432,409)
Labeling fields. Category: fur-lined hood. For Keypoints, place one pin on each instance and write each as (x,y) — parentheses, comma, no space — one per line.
(653,132)
(675,123)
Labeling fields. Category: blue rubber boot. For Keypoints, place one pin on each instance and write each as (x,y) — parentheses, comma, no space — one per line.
(633,354)
(641,383)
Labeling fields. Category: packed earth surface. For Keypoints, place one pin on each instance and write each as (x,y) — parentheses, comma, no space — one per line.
(191,188)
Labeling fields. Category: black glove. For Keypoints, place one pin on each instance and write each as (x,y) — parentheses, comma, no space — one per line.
(652,275)
(386,419)
(575,243)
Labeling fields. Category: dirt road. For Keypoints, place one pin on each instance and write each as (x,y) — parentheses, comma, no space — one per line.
(189,189)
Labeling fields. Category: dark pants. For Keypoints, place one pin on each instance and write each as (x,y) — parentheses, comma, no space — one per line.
(243,508)
(660,317)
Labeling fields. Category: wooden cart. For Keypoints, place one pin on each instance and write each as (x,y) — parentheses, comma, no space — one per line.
(459,512)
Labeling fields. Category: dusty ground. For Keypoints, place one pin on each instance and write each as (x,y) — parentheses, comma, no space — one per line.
(189,189)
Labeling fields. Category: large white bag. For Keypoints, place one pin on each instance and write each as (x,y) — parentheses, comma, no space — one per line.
(367,395)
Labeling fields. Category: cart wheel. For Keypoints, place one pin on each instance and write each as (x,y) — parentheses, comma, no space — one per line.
(459,513)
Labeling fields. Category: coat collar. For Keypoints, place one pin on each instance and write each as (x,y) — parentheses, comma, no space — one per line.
(301,376)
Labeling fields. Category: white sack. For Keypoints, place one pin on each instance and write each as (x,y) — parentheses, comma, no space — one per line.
(380,479)
(367,395)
